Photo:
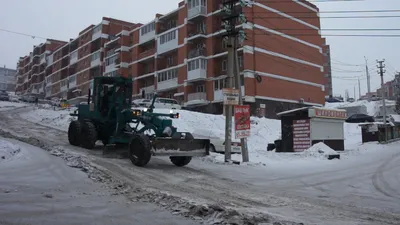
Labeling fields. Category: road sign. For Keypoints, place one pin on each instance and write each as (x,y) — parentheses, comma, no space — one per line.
(242,121)
(231,96)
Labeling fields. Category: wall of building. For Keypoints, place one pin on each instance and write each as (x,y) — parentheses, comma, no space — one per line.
(7,79)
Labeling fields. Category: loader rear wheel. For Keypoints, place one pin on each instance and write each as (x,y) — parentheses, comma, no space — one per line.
(88,135)
(74,132)
(180,160)
(140,150)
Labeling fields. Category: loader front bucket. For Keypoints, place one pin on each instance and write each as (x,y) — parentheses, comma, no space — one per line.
(181,147)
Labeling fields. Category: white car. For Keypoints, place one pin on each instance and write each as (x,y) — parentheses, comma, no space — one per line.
(160,103)
(217,141)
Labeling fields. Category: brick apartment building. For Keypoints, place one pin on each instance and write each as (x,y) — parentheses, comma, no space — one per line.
(182,55)
(327,69)
(65,69)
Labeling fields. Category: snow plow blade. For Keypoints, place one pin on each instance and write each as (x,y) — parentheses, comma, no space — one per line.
(181,147)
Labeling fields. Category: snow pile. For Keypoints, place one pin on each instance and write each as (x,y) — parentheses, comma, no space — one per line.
(319,150)
(58,119)
(8,150)
(10,105)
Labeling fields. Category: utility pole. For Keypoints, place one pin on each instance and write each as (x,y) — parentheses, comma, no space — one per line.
(381,66)
(229,19)
(368,77)
(359,88)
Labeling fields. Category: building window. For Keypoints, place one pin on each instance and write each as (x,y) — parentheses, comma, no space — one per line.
(168,37)
(240,61)
(197,64)
(97,29)
(148,28)
(224,65)
(167,75)
(170,60)
(219,84)
(200,88)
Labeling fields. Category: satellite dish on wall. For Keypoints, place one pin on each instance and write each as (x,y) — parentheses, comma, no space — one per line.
(258,78)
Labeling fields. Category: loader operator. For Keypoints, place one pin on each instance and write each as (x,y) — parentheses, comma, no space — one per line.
(105,101)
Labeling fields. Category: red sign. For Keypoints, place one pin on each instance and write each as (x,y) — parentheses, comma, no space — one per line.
(242,121)
(326,113)
(301,135)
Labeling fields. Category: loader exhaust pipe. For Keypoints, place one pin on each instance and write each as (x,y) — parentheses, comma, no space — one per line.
(88,100)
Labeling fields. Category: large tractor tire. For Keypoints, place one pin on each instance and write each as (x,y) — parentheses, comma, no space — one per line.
(74,133)
(88,135)
(140,150)
(181,160)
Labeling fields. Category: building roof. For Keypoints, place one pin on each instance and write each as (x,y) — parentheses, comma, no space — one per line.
(306,109)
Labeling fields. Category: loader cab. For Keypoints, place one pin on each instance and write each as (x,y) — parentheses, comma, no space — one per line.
(110,94)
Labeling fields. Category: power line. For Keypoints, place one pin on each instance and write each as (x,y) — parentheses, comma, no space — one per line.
(329,17)
(339,11)
(24,34)
(319,1)
(341,35)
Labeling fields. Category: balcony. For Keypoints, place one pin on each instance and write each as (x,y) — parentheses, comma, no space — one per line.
(64,85)
(148,89)
(167,84)
(167,42)
(196,10)
(96,59)
(197,53)
(147,33)
(219,96)
(147,53)
(199,98)
(73,58)
(42,58)
(97,32)
(197,69)
(72,81)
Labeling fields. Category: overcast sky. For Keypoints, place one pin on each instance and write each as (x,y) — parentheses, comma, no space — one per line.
(64,19)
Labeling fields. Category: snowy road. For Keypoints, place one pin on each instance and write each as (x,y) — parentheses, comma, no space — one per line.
(351,191)
(37,188)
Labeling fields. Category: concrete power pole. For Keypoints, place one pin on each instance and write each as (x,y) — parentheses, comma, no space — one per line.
(381,66)
(230,16)
(368,76)
(359,89)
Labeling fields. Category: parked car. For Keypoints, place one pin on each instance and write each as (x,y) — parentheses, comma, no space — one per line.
(161,103)
(217,143)
(167,103)
(360,118)
(141,103)
(4,96)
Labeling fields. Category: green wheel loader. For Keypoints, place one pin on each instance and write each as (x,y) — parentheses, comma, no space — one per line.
(109,118)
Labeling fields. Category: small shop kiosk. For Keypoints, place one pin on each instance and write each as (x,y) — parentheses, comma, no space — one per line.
(303,127)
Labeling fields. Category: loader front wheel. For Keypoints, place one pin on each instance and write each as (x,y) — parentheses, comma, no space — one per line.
(140,150)
(74,132)
(180,160)
(88,135)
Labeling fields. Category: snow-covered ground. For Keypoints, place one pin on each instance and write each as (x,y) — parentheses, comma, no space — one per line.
(263,131)
(37,188)
(359,189)
(10,105)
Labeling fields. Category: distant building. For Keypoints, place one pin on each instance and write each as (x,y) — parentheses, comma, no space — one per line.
(7,79)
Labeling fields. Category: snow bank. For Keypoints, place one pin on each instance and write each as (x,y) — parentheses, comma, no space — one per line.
(8,150)
(10,105)
(58,119)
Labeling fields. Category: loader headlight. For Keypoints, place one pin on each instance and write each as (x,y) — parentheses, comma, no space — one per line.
(136,112)
(145,110)
(174,115)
